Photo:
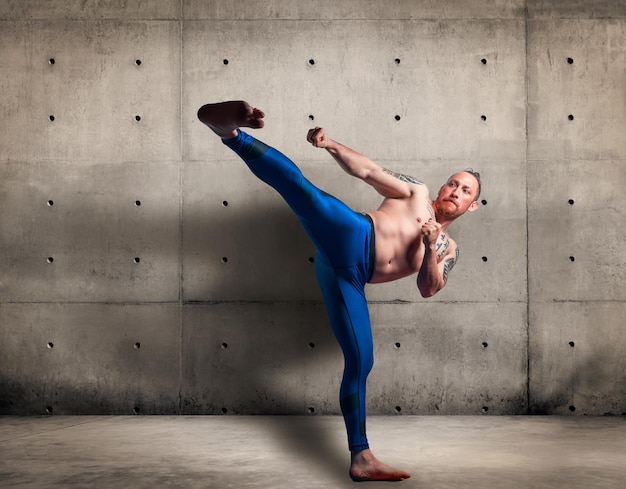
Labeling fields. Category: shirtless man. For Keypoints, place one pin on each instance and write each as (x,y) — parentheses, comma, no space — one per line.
(406,235)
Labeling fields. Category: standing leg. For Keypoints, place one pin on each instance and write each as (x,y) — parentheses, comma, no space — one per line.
(349,317)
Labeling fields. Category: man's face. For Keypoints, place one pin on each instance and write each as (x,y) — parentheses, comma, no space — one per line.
(457,195)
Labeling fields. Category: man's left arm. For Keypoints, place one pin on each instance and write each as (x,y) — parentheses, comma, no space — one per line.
(433,274)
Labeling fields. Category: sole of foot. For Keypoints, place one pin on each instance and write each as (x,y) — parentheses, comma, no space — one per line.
(225,117)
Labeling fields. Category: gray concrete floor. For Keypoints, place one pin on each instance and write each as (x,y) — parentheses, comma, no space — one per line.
(224,452)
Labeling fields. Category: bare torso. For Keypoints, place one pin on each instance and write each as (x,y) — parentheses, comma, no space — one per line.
(399,241)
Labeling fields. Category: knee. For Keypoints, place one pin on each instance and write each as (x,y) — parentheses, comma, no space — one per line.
(359,366)
(367,363)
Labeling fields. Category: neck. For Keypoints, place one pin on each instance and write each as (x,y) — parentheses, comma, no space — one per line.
(441,218)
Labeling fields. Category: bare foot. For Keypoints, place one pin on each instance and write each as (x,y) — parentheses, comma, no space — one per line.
(366,467)
(224,118)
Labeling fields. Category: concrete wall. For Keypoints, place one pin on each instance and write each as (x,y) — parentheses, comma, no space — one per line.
(144,269)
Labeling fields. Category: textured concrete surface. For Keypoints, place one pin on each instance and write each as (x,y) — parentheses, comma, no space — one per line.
(85,75)
(308,452)
(85,358)
(143,269)
(76,231)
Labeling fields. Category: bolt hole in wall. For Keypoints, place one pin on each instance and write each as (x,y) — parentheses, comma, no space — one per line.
(137,203)
(137,345)
(50,259)
(52,118)
(50,345)
(136,259)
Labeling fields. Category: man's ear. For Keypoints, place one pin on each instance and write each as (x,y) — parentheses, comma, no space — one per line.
(473,206)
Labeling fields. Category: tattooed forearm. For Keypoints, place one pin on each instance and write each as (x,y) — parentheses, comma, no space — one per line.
(402,177)
(442,246)
(449,265)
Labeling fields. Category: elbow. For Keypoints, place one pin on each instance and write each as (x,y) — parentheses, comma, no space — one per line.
(360,173)
(429,290)
(427,293)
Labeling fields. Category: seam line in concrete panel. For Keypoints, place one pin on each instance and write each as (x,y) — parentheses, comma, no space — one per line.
(100,303)
(567,160)
(362,19)
(375,302)
(181,26)
(210,303)
(526,81)
(88,19)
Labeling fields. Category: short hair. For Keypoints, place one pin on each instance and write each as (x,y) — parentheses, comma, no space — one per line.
(476,175)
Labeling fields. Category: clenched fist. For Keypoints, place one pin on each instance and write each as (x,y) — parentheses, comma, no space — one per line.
(317,137)
(430,232)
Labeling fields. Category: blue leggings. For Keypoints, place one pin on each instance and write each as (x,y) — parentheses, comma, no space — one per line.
(345,258)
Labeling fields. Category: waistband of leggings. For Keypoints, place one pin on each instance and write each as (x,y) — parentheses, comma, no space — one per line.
(372,253)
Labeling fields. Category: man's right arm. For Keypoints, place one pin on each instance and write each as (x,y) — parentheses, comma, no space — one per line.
(385,182)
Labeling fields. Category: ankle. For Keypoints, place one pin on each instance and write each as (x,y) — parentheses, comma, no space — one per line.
(229,135)
(361,456)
